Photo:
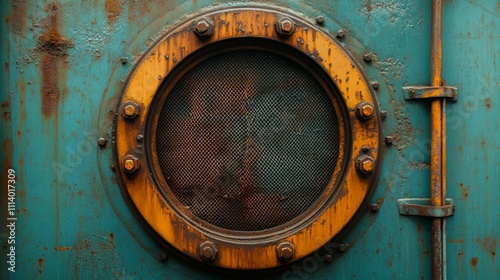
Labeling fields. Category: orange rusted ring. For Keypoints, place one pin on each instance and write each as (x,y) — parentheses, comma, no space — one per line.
(249,252)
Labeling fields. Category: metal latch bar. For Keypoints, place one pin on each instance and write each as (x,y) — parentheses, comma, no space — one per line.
(424,92)
(422,207)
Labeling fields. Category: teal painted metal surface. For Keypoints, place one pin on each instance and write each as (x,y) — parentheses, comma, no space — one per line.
(62,72)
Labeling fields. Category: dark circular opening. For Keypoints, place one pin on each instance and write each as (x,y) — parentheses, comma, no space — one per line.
(248,140)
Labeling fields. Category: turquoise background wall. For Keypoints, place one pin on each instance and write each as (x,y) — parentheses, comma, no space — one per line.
(62,73)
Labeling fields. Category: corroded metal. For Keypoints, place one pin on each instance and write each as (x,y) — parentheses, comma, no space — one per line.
(419,92)
(422,207)
(285,251)
(159,209)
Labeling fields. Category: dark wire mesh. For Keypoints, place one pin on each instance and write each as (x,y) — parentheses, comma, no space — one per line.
(247,140)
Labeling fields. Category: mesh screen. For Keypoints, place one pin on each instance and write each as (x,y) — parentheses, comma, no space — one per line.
(247,140)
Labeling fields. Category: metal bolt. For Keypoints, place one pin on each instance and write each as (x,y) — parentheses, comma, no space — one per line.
(320,20)
(139,138)
(102,142)
(112,166)
(388,140)
(375,207)
(365,110)
(375,85)
(365,164)
(342,247)
(284,27)
(124,60)
(340,34)
(204,28)
(130,110)
(285,251)
(130,163)
(208,251)
(365,149)
(328,258)
(368,57)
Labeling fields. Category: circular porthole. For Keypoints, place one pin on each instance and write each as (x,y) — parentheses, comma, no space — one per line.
(247,138)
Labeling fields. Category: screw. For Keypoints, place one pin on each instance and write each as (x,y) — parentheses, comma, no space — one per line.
(208,251)
(320,20)
(340,34)
(124,60)
(112,166)
(368,57)
(102,142)
(365,149)
(342,247)
(130,110)
(139,138)
(375,85)
(204,28)
(284,27)
(365,110)
(130,163)
(375,207)
(388,140)
(365,164)
(285,251)
(328,258)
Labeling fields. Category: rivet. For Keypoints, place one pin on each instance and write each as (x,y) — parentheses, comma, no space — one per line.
(375,85)
(383,114)
(163,257)
(124,60)
(320,20)
(388,140)
(368,57)
(102,142)
(342,247)
(340,34)
(375,207)
(140,137)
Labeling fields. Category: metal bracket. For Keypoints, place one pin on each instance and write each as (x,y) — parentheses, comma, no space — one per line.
(422,207)
(425,92)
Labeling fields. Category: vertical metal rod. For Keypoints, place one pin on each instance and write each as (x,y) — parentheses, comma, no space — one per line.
(438,145)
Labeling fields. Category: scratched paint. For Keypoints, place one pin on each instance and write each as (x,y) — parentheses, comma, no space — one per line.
(61,77)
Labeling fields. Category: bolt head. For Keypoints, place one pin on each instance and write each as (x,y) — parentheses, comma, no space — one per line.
(342,247)
(375,207)
(102,142)
(340,34)
(208,251)
(320,20)
(285,251)
(365,110)
(130,110)
(130,163)
(365,164)
(285,27)
(375,85)
(368,57)
(388,140)
(204,28)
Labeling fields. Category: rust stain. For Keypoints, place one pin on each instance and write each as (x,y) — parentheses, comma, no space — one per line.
(113,9)
(368,6)
(5,110)
(6,67)
(490,246)
(40,263)
(465,191)
(456,241)
(62,248)
(112,237)
(17,17)
(487,103)
(54,49)
(473,262)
